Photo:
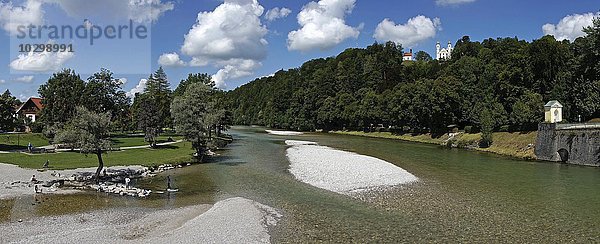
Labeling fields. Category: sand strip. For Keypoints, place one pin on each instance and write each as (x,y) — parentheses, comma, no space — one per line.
(284,133)
(235,220)
(340,171)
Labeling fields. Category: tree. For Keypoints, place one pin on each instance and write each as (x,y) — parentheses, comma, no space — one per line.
(487,128)
(8,104)
(147,117)
(423,56)
(103,93)
(88,131)
(158,90)
(60,96)
(191,79)
(193,116)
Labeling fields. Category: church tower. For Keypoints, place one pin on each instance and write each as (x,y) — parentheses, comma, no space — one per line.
(438,48)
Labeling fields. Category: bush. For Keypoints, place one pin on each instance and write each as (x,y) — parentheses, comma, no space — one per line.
(505,128)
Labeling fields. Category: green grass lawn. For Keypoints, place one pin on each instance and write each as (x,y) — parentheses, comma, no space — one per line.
(176,153)
(20,141)
(132,141)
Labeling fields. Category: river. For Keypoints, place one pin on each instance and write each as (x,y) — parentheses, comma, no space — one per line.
(462,196)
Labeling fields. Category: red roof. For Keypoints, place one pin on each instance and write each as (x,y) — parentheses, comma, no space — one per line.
(407,54)
(36,101)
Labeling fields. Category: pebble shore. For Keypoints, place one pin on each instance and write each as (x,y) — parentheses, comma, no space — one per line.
(340,171)
(234,220)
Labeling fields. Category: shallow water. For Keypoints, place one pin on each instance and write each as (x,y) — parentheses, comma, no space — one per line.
(461,196)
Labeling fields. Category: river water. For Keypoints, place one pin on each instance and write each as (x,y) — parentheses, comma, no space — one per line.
(461,196)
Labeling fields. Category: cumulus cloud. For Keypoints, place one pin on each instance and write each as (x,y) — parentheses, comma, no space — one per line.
(2,81)
(139,88)
(11,17)
(140,11)
(323,25)
(25,79)
(231,38)
(416,30)
(171,60)
(452,2)
(123,80)
(571,26)
(277,13)
(233,69)
(41,62)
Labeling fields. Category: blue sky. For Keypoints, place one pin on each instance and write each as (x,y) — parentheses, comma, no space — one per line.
(237,43)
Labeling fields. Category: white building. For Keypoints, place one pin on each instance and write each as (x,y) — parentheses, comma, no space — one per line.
(553,112)
(443,53)
(408,56)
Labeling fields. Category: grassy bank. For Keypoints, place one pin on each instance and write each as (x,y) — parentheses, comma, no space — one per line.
(176,153)
(516,145)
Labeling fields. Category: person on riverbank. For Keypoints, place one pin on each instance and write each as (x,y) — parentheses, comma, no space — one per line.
(168,182)
(34,180)
(47,164)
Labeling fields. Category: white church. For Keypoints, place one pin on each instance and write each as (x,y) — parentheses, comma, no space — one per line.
(443,53)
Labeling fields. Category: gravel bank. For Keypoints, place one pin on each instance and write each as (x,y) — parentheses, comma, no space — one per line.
(15,181)
(235,220)
(284,133)
(340,171)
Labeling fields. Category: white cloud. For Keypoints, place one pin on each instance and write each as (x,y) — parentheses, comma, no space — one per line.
(141,86)
(122,80)
(171,60)
(11,17)
(25,79)
(277,13)
(140,11)
(323,25)
(2,81)
(452,2)
(41,62)
(231,38)
(233,69)
(571,26)
(416,30)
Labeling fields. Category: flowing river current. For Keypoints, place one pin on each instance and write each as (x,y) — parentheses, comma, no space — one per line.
(461,196)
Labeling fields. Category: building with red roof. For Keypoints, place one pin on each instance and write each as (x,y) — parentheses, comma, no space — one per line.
(31,108)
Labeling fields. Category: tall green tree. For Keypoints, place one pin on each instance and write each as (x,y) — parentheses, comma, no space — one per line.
(90,132)
(194,116)
(60,96)
(8,105)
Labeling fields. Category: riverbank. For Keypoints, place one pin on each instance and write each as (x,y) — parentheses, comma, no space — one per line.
(517,145)
(234,220)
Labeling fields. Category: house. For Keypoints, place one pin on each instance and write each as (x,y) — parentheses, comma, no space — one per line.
(408,56)
(30,109)
(553,112)
(443,53)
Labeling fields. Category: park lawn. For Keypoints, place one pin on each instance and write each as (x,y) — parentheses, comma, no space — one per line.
(132,141)
(172,154)
(20,141)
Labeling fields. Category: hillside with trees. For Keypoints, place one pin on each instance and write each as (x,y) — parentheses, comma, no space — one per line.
(496,84)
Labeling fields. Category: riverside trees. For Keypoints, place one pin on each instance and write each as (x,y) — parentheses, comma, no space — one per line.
(88,131)
(363,88)
(198,114)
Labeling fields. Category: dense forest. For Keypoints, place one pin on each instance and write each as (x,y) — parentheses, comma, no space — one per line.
(498,83)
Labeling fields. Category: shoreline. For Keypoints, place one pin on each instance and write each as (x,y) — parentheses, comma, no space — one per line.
(514,145)
(233,220)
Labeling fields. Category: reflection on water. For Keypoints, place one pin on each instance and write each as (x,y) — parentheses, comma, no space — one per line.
(462,195)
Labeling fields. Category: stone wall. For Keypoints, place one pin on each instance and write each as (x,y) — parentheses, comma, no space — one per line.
(574,144)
